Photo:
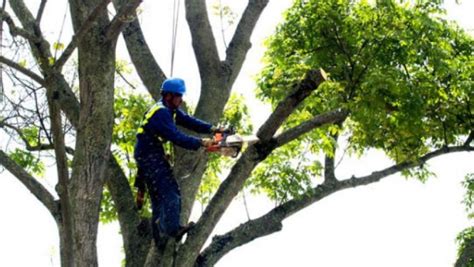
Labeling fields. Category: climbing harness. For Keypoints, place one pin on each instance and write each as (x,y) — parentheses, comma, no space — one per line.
(167,146)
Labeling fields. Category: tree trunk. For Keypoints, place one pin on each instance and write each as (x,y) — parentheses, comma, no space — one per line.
(65,246)
(96,55)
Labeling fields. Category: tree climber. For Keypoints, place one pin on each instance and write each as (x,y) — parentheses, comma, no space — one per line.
(158,130)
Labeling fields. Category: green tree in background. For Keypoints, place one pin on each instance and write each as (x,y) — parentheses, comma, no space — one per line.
(466,238)
(397,77)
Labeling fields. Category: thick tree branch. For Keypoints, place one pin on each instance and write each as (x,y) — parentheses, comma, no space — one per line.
(41,193)
(272,221)
(231,186)
(15,31)
(467,255)
(240,43)
(329,173)
(243,234)
(289,135)
(125,14)
(85,27)
(376,176)
(262,226)
(136,232)
(203,40)
(300,91)
(228,189)
(39,46)
(22,69)
(150,73)
(63,176)
(39,15)
(56,83)
(118,184)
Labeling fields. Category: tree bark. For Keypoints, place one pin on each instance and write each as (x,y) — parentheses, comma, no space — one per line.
(243,168)
(65,224)
(466,259)
(136,231)
(96,55)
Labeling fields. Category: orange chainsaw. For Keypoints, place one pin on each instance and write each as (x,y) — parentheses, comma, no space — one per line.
(230,144)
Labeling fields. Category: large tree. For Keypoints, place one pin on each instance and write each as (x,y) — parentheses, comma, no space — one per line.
(400,81)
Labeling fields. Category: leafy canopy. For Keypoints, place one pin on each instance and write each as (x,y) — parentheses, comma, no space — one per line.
(405,74)
(466,237)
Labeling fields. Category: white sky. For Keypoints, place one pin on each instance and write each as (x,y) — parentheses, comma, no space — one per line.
(396,222)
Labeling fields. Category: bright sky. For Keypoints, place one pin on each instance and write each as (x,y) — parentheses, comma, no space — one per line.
(393,223)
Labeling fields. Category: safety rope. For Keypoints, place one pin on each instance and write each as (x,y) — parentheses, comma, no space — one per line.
(174,32)
(58,42)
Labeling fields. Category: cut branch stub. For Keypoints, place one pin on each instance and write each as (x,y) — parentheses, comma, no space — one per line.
(300,92)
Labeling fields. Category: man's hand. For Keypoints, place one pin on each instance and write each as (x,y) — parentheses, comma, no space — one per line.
(207,142)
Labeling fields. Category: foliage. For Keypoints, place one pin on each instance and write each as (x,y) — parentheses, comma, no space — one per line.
(467,235)
(469,196)
(286,174)
(129,109)
(405,74)
(224,12)
(236,114)
(28,161)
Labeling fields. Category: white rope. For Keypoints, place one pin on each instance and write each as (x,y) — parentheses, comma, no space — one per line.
(174,32)
(61,30)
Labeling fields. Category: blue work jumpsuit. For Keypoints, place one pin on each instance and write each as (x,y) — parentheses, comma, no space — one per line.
(158,127)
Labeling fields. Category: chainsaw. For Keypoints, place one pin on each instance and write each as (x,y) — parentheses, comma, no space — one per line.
(230,144)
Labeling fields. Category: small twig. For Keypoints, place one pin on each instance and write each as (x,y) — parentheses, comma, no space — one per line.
(125,79)
(342,157)
(245,205)
(80,33)
(221,15)
(22,69)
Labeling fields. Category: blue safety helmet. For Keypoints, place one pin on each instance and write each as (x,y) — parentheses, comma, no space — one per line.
(174,85)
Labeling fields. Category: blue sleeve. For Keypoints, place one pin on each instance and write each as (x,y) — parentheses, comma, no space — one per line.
(162,123)
(192,123)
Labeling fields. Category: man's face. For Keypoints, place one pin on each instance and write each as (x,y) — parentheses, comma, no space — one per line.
(174,100)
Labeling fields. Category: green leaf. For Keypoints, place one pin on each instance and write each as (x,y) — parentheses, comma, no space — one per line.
(58,46)
(405,74)
(28,161)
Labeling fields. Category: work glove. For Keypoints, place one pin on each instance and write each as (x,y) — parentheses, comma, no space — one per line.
(207,142)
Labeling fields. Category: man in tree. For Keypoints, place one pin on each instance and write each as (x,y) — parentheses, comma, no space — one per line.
(158,130)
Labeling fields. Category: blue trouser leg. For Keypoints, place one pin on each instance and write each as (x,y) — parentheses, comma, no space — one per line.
(166,202)
(164,194)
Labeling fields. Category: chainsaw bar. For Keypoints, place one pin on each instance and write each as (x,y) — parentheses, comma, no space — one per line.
(231,145)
